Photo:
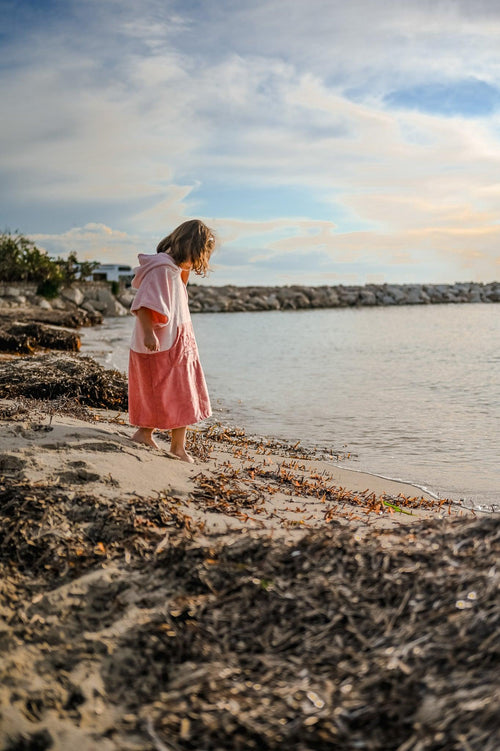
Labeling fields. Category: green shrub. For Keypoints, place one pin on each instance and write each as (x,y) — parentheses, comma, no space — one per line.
(48,289)
(115,288)
(22,261)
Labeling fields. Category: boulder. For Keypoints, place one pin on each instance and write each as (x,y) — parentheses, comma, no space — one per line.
(99,305)
(87,305)
(332,298)
(127,298)
(116,310)
(398,295)
(73,294)
(12,292)
(58,304)
(494,295)
(367,297)
(301,300)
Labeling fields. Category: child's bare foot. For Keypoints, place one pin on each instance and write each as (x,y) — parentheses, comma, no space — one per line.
(183,455)
(145,435)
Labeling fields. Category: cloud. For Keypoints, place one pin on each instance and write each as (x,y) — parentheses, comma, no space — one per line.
(92,242)
(144,110)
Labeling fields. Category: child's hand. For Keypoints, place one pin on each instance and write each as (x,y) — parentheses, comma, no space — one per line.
(151,341)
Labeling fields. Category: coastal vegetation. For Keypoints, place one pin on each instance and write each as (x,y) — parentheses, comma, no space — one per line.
(22,261)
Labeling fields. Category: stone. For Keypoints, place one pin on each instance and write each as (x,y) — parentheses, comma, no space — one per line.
(99,305)
(475,296)
(388,300)
(396,293)
(44,304)
(116,309)
(414,297)
(494,295)
(332,298)
(12,292)
(126,298)
(73,294)
(367,297)
(58,304)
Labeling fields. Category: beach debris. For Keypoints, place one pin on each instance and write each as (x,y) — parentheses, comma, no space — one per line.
(52,376)
(197,642)
(25,338)
(235,490)
(334,638)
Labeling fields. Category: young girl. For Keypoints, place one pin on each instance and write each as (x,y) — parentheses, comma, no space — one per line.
(167,388)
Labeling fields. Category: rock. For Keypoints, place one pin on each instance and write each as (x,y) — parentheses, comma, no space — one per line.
(332,298)
(69,319)
(272,302)
(494,295)
(127,298)
(87,305)
(44,304)
(475,296)
(73,294)
(397,294)
(99,305)
(301,300)
(58,304)
(388,300)
(12,292)
(367,297)
(116,310)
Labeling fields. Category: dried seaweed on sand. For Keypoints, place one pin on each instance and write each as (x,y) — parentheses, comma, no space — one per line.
(51,376)
(389,640)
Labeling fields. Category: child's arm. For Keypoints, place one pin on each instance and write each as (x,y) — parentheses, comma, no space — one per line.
(145,316)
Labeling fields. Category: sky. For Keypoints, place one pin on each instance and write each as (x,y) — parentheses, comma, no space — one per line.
(324,141)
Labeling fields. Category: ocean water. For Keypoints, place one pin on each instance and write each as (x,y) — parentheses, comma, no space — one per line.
(411,393)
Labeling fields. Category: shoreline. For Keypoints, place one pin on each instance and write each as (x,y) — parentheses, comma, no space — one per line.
(149,603)
(49,441)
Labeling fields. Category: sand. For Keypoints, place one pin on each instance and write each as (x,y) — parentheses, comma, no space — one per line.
(93,510)
(101,457)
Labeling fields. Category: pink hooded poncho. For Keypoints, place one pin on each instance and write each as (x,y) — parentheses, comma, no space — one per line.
(167,389)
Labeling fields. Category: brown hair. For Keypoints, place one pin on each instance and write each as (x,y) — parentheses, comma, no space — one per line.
(191,241)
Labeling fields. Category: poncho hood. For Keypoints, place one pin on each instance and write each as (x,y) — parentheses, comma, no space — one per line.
(149,262)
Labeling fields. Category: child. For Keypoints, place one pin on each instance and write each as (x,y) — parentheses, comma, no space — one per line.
(167,389)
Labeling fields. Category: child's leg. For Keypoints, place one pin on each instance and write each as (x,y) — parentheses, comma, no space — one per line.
(145,435)
(178,445)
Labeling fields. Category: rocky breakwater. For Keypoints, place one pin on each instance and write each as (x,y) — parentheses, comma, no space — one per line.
(29,321)
(204,299)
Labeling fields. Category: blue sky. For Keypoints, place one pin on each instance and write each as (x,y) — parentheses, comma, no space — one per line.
(325,142)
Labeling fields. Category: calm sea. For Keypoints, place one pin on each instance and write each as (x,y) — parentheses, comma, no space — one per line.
(410,392)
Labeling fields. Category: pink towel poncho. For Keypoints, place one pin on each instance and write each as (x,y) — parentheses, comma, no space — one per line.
(167,389)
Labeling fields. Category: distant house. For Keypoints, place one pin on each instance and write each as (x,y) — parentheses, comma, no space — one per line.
(113,272)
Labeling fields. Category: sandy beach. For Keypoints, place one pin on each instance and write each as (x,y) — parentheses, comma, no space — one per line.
(259,598)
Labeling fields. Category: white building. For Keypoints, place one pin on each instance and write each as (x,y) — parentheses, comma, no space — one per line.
(113,272)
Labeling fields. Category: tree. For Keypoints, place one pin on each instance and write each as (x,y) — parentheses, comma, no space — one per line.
(22,261)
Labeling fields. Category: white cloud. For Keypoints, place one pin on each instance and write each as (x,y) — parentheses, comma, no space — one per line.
(154,101)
